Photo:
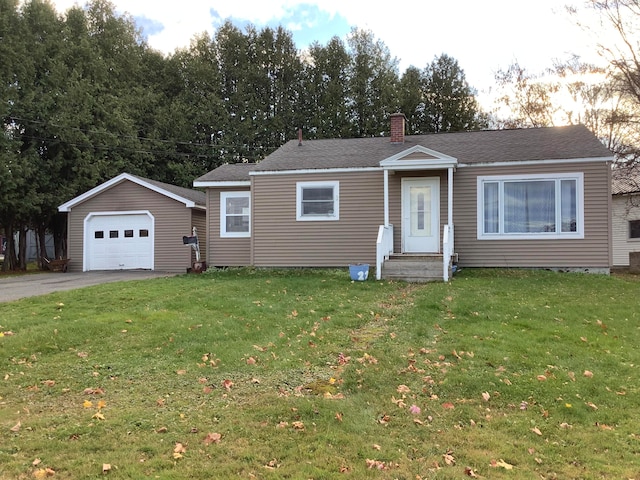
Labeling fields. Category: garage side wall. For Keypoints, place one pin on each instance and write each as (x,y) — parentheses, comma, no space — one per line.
(172,221)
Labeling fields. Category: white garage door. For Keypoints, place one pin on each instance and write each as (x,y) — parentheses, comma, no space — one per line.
(118,241)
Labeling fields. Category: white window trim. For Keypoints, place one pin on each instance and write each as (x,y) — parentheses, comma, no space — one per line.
(578,234)
(318,218)
(223,214)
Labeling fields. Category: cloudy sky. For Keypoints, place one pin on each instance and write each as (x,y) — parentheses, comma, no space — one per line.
(484,36)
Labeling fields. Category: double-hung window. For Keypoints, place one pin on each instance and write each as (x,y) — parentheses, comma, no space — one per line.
(235,214)
(317,201)
(530,206)
(634,229)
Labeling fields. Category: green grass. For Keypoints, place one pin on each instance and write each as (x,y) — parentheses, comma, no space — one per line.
(305,374)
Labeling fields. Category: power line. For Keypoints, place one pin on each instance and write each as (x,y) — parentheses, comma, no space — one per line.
(119,136)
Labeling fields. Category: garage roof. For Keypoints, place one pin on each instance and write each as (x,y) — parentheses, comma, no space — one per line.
(190,198)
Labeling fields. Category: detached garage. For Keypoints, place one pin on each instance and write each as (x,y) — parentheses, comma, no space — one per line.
(131,223)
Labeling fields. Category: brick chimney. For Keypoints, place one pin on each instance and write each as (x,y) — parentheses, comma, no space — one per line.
(397,127)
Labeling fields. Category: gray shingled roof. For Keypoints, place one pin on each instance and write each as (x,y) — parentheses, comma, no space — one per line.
(485,146)
(625,180)
(232,172)
(196,196)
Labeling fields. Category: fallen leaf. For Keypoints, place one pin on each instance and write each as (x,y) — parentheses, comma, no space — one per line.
(36,462)
(448,458)
(486,396)
(227,384)
(470,473)
(536,430)
(87,404)
(448,405)
(251,361)
(502,464)
(339,416)
(588,374)
(106,467)
(162,430)
(541,378)
(83,354)
(212,438)
(376,447)
(377,464)
(181,372)
(98,416)
(49,383)
(592,405)
(16,427)
(403,389)
(414,409)
(93,391)
(178,450)
(44,473)
(298,425)
(101,404)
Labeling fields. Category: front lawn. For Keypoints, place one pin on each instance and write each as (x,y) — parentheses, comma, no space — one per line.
(305,374)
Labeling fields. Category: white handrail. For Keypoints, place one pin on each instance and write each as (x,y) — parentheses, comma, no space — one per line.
(447,251)
(384,247)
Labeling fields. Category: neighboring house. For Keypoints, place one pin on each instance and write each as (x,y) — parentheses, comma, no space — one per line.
(413,205)
(130,222)
(625,215)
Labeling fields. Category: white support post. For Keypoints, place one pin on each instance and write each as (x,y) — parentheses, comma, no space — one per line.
(386,198)
(450,196)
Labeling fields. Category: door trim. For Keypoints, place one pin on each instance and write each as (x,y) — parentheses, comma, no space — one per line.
(432,243)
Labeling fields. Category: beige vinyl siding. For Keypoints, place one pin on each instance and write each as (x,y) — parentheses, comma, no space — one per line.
(279,240)
(624,208)
(172,221)
(225,252)
(395,202)
(591,252)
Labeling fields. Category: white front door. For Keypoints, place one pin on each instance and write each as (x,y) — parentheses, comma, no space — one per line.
(421,215)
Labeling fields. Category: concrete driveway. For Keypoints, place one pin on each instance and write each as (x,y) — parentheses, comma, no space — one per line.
(15,287)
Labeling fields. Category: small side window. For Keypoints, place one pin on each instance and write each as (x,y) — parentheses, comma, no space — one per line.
(317,201)
(634,229)
(113,233)
(143,233)
(128,233)
(98,234)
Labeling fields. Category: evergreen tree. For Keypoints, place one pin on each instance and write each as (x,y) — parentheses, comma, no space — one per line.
(450,103)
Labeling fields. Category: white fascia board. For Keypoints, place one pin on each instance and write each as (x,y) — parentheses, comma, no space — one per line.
(206,184)
(538,162)
(66,207)
(317,170)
